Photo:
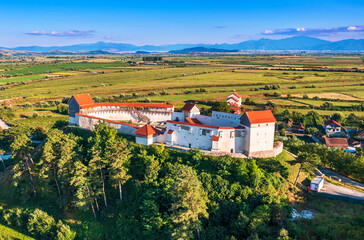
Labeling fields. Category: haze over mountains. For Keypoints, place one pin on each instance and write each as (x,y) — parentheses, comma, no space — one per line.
(293,43)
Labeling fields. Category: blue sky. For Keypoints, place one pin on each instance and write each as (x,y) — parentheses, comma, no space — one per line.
(157,22)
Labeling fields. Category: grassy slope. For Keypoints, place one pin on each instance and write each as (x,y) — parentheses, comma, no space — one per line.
(8,233)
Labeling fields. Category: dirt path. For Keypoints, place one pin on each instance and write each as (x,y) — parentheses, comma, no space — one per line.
(3,125)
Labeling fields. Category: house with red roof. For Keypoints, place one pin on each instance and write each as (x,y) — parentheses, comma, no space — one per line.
(234,100)
(333,128)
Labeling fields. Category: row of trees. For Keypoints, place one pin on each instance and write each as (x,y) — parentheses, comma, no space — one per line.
(313,155)
(148,193)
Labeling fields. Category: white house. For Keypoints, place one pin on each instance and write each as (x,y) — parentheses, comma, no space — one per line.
(251,134)
(234,99)
(317,183)
(333,128)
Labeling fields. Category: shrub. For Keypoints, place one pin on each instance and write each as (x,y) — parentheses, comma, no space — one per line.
(305,96)
(311,130)
(35,115)
(41,225)
(66,99)
(147,100)
(64,232)
(63,108)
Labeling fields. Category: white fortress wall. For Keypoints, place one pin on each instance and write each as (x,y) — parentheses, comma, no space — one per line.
(178,116)
(206,120)
(116,113)
(240,135)
(190,136)
(225,119)
(226,141)
(88,122)
(261,137)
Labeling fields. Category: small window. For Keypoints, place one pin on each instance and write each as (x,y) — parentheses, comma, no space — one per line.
(238,133)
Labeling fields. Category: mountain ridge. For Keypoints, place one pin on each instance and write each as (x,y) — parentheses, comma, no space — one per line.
(292,43)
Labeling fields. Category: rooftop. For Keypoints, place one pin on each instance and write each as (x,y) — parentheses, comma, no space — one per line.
(336,142)
(317,180)
(83,99)
(146,130)
(188,106)
(332,122)
(264,116)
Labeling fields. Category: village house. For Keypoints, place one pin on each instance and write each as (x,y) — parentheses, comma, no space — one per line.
(333,128)
(251,134)
(330,142)
(234,100)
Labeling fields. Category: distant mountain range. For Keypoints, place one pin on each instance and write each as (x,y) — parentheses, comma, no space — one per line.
(202,50)
(293,43)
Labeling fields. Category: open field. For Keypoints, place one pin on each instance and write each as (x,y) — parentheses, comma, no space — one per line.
(326,77)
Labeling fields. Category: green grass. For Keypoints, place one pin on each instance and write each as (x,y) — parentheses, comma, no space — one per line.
(21,79)
(10,234)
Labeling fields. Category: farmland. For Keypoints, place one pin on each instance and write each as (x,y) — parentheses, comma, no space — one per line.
(320,78)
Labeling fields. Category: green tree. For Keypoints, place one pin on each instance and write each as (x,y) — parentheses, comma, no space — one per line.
(189,202)
(119,156)
(102,144)
(22,148)
(64,232)
(339,117)
(56,161)
(221,107)
(308,162)
(81,182)
(41,225)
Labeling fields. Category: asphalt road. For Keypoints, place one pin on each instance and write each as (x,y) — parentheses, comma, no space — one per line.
(344,179)
(341,191)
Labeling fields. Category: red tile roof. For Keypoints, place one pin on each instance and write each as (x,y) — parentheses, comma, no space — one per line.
(215,138)
(234,98)
(83,99)
(106,120)
(264,116)
(146,130)
(237,94)
(336,142)
(193,120)
(170,131)
(240,127)
(154,105)
(331,122)
(188,107)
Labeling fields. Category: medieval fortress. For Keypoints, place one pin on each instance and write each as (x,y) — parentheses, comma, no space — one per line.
(251,134)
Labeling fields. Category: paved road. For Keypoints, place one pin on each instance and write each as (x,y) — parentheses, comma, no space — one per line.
(341,191)
(330,173)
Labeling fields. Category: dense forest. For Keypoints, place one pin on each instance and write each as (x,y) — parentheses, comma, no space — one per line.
(78,184)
